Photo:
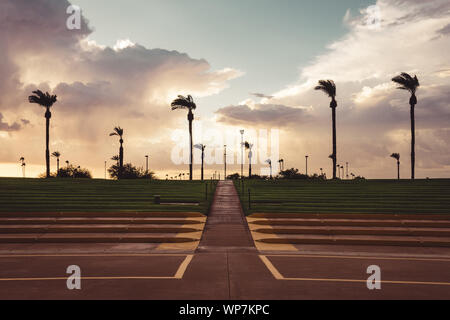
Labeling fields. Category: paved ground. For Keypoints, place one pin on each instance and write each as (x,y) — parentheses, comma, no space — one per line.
(226,265)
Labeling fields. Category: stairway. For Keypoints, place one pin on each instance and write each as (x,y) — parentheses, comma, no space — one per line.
(352,229)
(86,227)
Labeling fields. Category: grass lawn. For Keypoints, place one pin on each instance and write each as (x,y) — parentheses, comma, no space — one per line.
(371,196)
(80,195)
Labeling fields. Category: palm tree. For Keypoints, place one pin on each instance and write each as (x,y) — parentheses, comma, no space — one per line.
(249,146)
(46,100)
(118,131)
(116,158)
(57,154)
(268,161)
(410,84)
(329,88)
(201,147)
(67,163)
(22,164)
(396,156)
(187,103)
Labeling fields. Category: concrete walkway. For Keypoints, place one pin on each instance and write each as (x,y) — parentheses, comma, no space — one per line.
(226,228)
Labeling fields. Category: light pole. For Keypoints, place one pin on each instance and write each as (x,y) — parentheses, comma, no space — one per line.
(225,161)
(306,157)
(346,165)
(242,154)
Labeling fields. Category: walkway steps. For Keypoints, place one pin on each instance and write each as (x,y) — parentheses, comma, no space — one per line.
(352,229)
(128,227)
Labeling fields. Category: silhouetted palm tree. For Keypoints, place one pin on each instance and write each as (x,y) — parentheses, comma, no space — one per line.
(116,158)
(57,154)
(118,131)
(46,100)
(22,164)
(268,161)
(201,147)
(329,88)
(396,156)
(249,146)
(187,103)
(410,84)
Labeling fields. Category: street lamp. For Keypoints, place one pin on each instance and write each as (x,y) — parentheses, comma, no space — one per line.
(242,154)
(306,157)
(225,161)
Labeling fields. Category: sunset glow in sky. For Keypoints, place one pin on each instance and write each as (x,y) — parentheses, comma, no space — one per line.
(249,65)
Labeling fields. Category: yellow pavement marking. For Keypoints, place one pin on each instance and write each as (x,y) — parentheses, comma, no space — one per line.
(262,246)
(187,246)
(183,266)
(178,274)
(358,257)
(278,276)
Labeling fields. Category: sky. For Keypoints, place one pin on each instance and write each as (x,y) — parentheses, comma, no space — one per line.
(249,65)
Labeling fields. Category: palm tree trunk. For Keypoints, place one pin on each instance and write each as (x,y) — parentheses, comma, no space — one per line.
(398,170)
(47,139)
(250,168)
(333,118)
(413,142)
(120,159)
(190,119)
(203,156)
(57,167)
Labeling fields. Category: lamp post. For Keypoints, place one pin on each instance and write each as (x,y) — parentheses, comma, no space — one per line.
(225,161)
(306,157)
(346,165)
(242,154)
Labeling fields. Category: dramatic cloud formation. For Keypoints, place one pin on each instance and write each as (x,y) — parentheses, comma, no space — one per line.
(98,88)
(373,117)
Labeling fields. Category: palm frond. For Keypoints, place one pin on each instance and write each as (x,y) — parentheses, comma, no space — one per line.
(43,99)
(406,82)
(183,102)
(327,86)
(118,131)
(56,154)
(395,156)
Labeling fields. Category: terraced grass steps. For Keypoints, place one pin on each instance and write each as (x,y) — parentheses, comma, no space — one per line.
(14,229)
(101,227)
(351,229)
(433,232)
(92,220)
(94,238)
(405,241)
(130,214)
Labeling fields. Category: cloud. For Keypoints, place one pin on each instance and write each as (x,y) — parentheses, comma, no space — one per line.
(261,95)
(97,86)
(372,116)
(4,126)
(262,115)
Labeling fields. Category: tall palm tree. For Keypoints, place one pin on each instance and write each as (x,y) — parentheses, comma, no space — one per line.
(249,146)
(396,156)
(57,154)
(116,158)
(201,147)
(410,84)
(22,164)
(329,88)
(187,103)
(118,131)
(45,100)
(269,162)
